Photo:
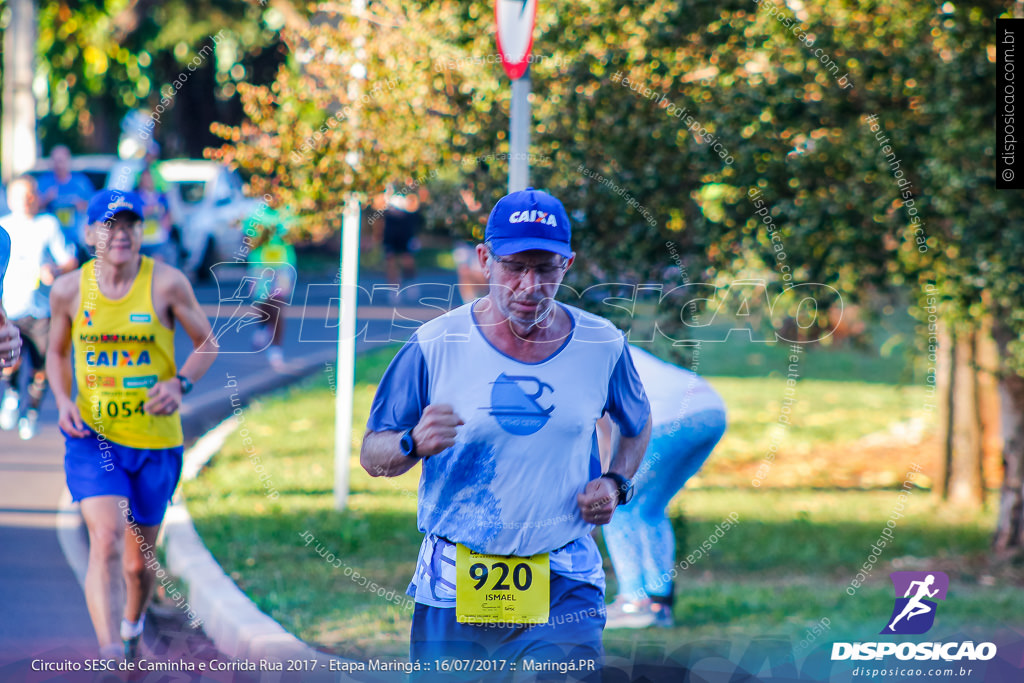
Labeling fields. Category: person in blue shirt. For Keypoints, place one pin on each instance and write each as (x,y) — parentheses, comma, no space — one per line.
(156,221)
(66,195)
(498,399)
(38,255)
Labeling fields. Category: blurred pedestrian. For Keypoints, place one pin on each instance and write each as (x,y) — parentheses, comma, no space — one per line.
(472,278)
(156,221)
(689,420)
(399,226)
(39,254)
(66,195)
(272,266)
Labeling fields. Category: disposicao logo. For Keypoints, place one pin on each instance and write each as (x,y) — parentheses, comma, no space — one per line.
(913,614)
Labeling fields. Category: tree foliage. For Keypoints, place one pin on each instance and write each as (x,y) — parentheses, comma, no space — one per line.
(100,60)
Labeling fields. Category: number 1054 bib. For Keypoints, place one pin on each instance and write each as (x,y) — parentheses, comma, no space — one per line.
(491,589)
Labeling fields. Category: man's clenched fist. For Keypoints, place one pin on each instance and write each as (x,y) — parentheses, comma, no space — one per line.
(436,429)
(598,501)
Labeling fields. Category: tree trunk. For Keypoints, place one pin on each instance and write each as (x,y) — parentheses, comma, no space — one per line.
(18,134)
(1010,524)
(989,406)
(965,483)
(944,383)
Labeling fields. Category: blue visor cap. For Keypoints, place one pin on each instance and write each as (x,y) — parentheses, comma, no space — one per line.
(106,204)
(528,219)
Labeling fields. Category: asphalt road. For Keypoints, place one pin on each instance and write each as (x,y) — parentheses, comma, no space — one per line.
(42,607)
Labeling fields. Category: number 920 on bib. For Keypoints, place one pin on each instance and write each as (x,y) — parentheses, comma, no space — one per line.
(492,589)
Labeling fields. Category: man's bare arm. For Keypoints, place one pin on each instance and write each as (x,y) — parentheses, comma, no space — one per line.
(189,313)
(629,451)
(381,454)
(164,398)
(63,305)
(600,497)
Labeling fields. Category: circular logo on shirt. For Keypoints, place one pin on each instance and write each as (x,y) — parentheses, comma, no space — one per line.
(514,406)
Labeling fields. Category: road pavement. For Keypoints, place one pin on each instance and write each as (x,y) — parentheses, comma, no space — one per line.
(42,608)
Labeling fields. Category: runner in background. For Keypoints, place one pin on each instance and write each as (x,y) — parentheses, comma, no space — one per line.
(689,420)
(66,195)
(472,279)
(396,231)
(272,266)
(38,255)
(156,221)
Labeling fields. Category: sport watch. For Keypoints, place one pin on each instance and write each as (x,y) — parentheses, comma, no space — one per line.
(407,445)
(186,384)
(622,485)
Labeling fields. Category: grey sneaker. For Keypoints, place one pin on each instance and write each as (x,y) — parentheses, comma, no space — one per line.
(630,614)
(9,410)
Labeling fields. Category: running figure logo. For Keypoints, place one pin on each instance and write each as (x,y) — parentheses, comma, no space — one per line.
(914,614)
(516,411)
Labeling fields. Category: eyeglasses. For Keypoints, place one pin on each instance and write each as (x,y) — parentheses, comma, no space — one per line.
(518,269)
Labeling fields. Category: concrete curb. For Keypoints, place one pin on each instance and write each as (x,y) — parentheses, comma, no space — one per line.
(230,619)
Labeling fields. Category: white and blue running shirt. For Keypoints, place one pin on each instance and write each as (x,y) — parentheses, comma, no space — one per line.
(508,486)
(674,392)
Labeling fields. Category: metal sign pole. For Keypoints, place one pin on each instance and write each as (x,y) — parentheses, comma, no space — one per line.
(345,385)
(519,135)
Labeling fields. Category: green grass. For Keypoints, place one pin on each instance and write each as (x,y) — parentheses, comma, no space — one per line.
(782,568)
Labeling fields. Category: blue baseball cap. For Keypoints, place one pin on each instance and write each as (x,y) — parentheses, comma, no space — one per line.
(106,204)
(528,219)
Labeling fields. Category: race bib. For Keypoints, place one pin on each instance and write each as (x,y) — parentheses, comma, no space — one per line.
(275,253)
(66,216)
(150,230)
(491,589)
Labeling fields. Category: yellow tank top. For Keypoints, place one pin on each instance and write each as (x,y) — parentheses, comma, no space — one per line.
(121,349)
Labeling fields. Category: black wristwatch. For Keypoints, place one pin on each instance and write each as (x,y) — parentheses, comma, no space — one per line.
(186,384)
(407,445)
(623,485)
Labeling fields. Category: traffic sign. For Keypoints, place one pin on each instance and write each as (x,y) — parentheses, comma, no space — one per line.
(515,19)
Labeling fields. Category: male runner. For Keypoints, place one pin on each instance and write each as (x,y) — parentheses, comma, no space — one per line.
(66,195)
(39,254)
(499,399)
(117,315)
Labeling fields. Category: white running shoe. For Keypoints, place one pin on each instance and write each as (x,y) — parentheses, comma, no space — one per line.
(9,410)
(28,426)
(625,613)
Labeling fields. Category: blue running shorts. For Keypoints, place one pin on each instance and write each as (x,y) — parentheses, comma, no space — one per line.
(569,643)
(147,477)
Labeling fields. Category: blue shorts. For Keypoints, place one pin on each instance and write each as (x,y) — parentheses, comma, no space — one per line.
(147,477)
(571,636)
